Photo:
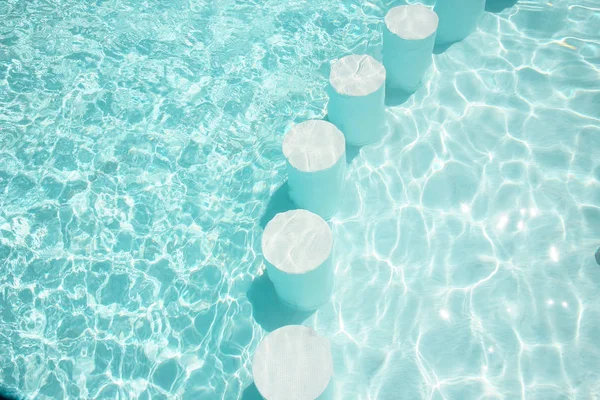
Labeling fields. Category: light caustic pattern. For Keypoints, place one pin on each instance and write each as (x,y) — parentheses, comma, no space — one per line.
(140,147)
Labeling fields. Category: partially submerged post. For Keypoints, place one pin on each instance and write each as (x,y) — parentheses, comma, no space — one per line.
(357,98)
(316,163)
(408,40)
(297,246)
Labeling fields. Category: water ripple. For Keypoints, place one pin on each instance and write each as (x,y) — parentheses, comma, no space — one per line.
(140,146)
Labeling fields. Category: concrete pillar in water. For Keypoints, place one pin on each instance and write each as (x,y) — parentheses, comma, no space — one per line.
(316,164)
(357,98)
(408,40)
(293,362)
(297,246)
(458,18)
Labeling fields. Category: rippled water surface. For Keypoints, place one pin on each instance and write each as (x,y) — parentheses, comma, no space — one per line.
(140,157)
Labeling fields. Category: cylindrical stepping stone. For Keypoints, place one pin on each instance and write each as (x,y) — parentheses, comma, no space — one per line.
(293,362)
(297,246)
(458,18)
(315,152)
(408,40)
(357,98)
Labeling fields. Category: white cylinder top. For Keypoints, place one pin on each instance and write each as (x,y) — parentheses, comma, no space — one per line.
(357,75)
(313,145)
(412,22)
(292,362)
(297,241)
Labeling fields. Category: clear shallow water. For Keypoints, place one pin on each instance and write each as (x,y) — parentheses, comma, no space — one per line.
(140,151)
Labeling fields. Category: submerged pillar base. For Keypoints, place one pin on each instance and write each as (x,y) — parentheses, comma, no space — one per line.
(458,19)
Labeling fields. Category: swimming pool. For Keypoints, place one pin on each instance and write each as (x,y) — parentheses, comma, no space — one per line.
(140,158)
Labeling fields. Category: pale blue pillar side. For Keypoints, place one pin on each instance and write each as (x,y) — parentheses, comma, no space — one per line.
(357,99)
(458,19)
(361,119)
(320,191)
(408,39)
(307,291)
(316,165)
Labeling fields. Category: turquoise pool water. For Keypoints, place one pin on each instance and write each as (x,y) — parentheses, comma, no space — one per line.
(140,159)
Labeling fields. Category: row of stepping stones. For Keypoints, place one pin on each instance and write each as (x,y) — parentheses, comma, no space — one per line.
(294,361)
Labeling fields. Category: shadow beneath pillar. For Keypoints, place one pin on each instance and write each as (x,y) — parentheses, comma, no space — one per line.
(351,152)
(268,311)
(496,6)
(279,202)
(396,97)
(6,394)
(251,393)
(442,47)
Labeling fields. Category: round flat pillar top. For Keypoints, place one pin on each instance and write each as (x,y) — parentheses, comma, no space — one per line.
(412,22)
(357,75)
(297,241)
(292,362)
(313,145)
